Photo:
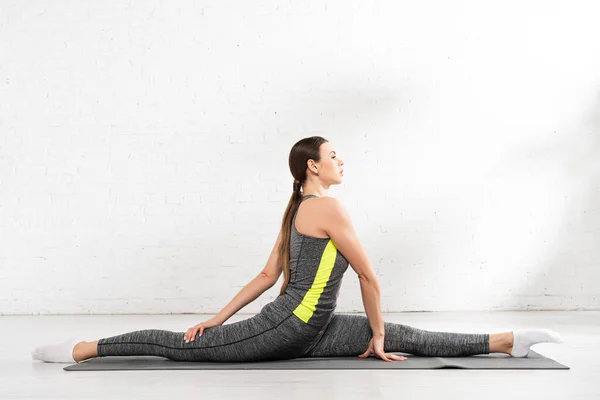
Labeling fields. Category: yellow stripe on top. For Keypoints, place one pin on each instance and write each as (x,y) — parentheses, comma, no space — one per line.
(307,307)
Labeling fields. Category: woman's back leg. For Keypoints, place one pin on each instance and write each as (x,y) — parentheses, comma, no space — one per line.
(252,339)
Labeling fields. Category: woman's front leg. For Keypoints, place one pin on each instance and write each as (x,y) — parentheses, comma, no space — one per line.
(348,335)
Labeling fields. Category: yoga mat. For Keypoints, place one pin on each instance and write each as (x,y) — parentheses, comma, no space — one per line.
(481,361)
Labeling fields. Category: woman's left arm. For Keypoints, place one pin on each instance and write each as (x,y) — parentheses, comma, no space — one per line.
(248,294)
(257,286)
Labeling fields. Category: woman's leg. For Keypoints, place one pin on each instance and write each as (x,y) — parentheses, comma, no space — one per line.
(84,350)
(252,339)
(349,335)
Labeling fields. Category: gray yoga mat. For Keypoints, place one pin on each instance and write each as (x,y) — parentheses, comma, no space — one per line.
(481,361)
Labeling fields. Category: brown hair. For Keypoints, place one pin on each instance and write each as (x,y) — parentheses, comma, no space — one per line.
(304,150)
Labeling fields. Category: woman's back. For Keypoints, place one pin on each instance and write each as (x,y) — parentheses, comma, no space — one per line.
(316,271)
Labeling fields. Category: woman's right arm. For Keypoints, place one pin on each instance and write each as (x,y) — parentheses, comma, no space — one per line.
(338,226)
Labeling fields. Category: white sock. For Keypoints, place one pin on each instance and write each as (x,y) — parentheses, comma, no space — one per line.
(525,338)
(57,353)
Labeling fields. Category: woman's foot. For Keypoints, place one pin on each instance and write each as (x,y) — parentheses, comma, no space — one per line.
(525,338)
(59,352)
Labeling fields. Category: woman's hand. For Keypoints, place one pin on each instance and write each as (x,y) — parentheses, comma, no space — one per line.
(376,348)
(191,333)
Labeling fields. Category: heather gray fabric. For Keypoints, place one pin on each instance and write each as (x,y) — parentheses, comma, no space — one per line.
(253,339)
(257,339)
(307,254)
(296,324)
(348,335)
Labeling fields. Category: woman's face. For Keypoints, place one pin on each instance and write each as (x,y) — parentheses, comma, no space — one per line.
(331,164)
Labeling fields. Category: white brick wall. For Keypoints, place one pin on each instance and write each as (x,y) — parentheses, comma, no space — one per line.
(144,145)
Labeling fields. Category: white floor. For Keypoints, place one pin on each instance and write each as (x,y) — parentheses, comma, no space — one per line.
(23,378)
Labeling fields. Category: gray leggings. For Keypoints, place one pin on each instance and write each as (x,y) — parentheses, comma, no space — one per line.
(260,338)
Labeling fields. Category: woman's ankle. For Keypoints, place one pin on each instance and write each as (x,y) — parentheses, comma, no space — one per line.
(84,350)
(501,342)
(510,343)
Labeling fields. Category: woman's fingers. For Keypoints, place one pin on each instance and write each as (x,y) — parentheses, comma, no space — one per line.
(369,350)
(391,356)
(382,356)
(396,357)
(365,354)
(190,334)
(195,332)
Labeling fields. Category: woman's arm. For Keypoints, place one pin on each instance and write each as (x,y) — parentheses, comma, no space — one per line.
(265,280)
(248,294)
(339,228)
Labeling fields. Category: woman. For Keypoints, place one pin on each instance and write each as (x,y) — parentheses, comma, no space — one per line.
(316,245)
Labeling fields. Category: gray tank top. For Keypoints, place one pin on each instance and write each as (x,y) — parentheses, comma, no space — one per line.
(316,271)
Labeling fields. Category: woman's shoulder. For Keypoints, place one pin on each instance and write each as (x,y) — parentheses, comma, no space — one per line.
(330,202)
(330,209)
